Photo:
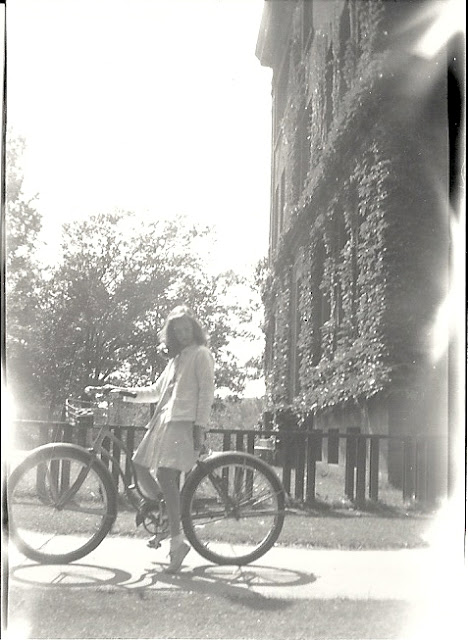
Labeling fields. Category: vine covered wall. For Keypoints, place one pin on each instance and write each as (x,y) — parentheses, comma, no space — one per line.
(367,221)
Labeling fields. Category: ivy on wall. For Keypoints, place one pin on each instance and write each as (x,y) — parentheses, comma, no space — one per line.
(347,225)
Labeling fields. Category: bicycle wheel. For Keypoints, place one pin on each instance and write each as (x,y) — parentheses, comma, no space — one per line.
(62,502)
(232,508)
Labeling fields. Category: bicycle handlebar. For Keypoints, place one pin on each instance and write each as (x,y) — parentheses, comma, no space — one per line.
(106,389)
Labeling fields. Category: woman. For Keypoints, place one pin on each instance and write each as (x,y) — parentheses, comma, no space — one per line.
(184,394)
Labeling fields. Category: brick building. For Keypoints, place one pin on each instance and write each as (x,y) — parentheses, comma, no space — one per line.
(358,259)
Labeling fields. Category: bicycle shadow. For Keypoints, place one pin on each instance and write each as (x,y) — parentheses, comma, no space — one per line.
(242,585)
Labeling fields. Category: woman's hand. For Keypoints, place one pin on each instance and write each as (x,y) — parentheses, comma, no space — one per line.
(92,391)
(114,391)
(120,392)
(103,390)
(110,389)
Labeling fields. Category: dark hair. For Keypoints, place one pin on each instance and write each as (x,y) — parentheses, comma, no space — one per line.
(167,334)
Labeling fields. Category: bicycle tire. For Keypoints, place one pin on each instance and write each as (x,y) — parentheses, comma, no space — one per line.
(222,539)
(40,526)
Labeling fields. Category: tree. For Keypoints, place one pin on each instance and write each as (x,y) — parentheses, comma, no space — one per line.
(23,224)
(106,301)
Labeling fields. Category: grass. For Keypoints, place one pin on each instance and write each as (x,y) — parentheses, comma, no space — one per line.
(331,522)
(358,530)
(319,527)
(332,528)
(193,613)
(198,609)
(330,486)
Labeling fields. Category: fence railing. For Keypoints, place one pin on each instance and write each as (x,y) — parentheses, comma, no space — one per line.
(298,455)
(421,460)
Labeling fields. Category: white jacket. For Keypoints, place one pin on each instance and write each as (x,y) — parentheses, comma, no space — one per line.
(192,372)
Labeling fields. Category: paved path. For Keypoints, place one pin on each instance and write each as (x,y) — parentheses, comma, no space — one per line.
(106,580)
(293,573)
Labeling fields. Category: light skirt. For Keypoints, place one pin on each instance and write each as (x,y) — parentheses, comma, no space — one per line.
(167,444)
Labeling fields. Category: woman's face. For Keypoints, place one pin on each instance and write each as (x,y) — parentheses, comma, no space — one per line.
(183,331)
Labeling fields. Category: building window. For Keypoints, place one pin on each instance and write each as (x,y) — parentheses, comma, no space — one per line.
(277,218)
(281,203)
(280,96)
(304,132)
(274,219)
(328,110)
(345,36)
(270,342)
(322,308)
(339,241)
(296,320)
(307,24)
(353,213)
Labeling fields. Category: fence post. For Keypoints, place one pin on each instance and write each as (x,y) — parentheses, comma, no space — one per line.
(333,446)
(421,469)
(65,470)
(226,441)
(44,431)
(267,421)
(350,462)
(361,458)
(239,475)
(83,423)
(106,445)
(314,454)
(251,443)
(374,468)
(301,440)
(226,447)
(116,452)
(40,471)
(286,421)
(250,475)
(409,484)
(130,444)
(311,469)
(81,433)
(434,469)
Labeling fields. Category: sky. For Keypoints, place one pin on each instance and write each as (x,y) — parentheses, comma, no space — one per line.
(159,107)
(154,106)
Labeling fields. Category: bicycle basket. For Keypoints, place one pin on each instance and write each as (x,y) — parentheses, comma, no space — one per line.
(85,412)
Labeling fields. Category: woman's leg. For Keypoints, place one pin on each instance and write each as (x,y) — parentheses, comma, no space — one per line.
(169,482)
(147,483)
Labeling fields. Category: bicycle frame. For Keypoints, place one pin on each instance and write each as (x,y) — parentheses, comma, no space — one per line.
(221,487)
(97,449)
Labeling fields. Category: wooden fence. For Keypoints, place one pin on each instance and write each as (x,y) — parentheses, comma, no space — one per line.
(296,456)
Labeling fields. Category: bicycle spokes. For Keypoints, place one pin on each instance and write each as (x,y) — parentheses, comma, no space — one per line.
(58,504)
(234,505)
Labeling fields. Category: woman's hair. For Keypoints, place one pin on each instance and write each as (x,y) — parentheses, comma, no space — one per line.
(167,334)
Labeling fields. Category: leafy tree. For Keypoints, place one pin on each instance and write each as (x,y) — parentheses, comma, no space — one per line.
(23,224)
(106,301)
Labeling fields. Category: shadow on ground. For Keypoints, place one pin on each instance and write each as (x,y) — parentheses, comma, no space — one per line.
(235,584)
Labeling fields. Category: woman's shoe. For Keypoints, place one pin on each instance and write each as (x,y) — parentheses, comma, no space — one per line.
(154,542)
(177,557)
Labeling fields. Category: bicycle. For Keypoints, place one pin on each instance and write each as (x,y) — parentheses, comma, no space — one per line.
(63,501)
